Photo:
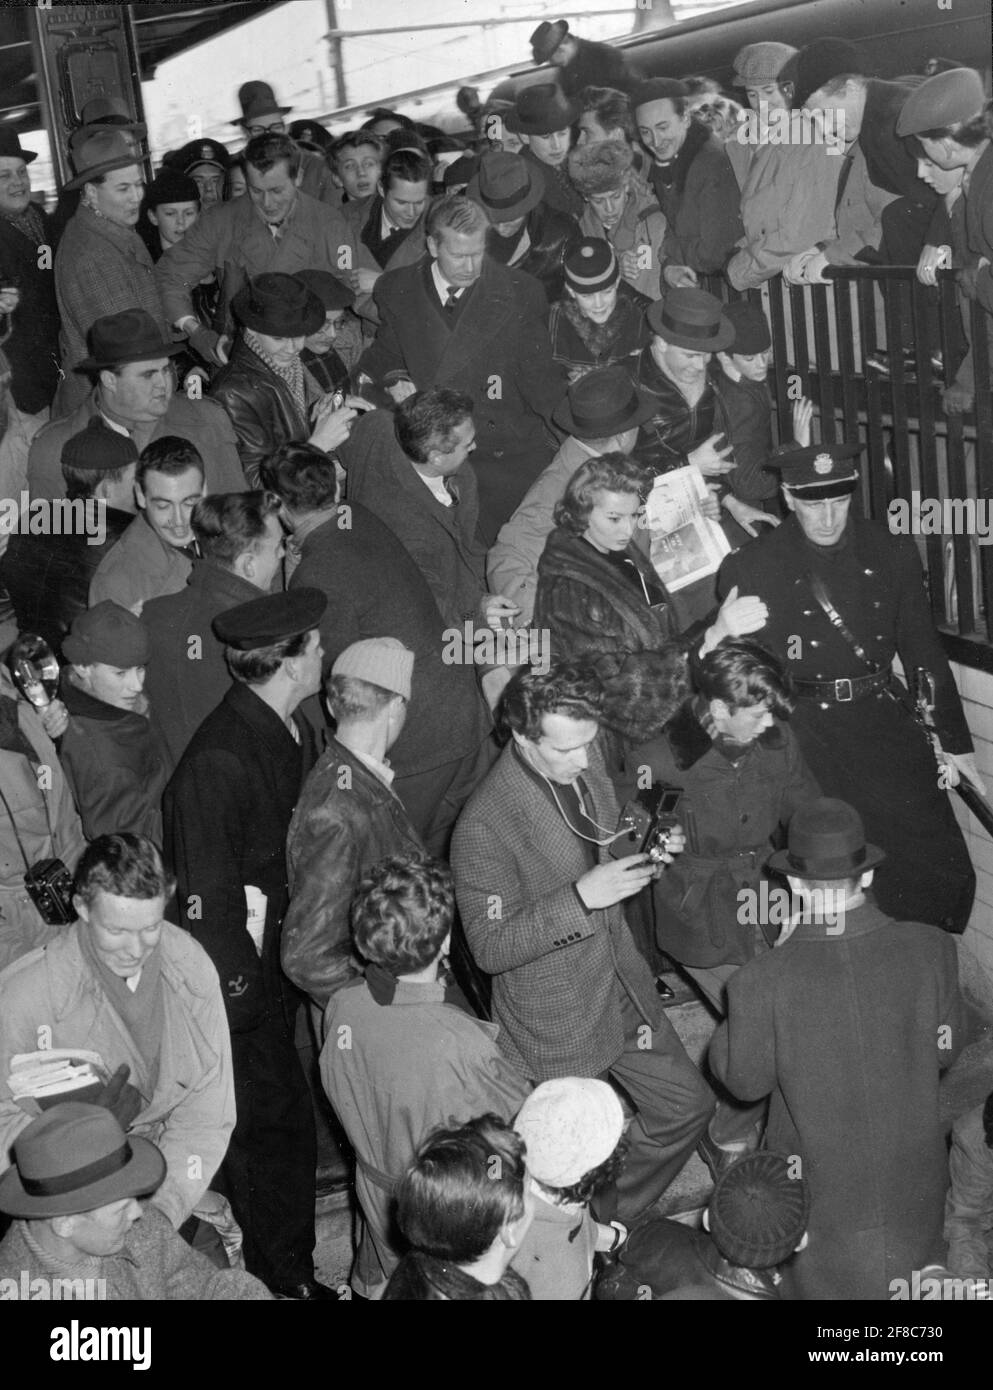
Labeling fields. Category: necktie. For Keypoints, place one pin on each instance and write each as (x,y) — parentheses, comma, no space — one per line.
(452,298)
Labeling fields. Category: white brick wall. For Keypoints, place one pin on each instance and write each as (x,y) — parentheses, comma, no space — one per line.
(976,945)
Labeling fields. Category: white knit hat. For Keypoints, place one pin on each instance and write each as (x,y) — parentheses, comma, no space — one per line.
(381,661)
(570,1125)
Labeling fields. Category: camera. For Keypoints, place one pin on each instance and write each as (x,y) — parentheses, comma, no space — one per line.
(49,886)
(646,821)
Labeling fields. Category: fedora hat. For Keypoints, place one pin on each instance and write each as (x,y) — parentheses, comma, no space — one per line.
(547,37)
(601,403)
(10,146)
(99,150)
(112,111)
(691,319)
(257,99)
(74,1158)
(130,336)
(541,110)
(281,306)
(826,839)
(506,186)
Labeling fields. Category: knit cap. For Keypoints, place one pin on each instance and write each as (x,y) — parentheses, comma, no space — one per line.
(758,1211)
(571,1125)
(382,661)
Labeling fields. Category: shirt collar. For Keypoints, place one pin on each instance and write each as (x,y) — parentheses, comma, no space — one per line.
(382,770)
(442,286)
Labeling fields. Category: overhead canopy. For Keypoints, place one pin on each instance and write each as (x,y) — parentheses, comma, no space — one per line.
(163,32)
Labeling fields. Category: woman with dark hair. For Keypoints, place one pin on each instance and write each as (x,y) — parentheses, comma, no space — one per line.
(599,319)
(465,1216)
(597,592)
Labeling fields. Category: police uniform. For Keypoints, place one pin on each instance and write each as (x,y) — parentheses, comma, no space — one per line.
(862,744)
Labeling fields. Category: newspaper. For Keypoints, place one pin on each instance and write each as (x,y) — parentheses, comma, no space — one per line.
(685,545)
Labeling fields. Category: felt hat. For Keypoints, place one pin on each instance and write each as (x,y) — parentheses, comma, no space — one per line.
(311,135)
(382,661)
(332,292)
(74,1158)
(547,37)
(278,305)
(943,100)
(99,150)
(591,266)
(602,403)
(98,448)
(691,319)
(751,328)
(826,839)
(570,1125)
(506,186)
(198,152)
(257,99)
(130,336)
(759,64)
(11,148)
(111,111)
(541,110)
(109,634)
(819,61)
(460,173)
(170,186)
(819,471)
(758,1211)
(261,622)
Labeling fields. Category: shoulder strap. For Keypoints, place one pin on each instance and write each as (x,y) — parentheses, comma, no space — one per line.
(819,590)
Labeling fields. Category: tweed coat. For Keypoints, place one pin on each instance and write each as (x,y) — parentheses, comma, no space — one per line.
(226,812)
(642,227)
(499,339)
(868,752)
(189,1104)
(848,1031)
(440,540)
(100,269)
(558,969)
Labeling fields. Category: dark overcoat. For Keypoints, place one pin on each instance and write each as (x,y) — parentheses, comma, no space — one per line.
(226,812)
(33,346)
(868,752)
(558,969)
(849,1033)
(114,762)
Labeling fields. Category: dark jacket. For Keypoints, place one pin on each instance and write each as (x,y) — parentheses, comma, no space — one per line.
(590,607)
(561,194)
(676,428)
(345,822)
(580,345)
(48,577)
(498,338)
(375,589)
(113,762)
(440,540)
(552,234)
(749,415)
(891,161)
(226,812)
(261,408)
(663,1256)
(187,675)
(33,346)
(595,65)
(733,813)
(558,970)
(848,1031)
(702,204)
(979,226)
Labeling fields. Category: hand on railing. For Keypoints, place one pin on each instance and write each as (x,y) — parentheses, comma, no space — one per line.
(933,259)
(961,765)
(806,268)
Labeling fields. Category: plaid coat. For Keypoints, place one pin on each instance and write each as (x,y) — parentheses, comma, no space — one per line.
(558,968)
(100,269)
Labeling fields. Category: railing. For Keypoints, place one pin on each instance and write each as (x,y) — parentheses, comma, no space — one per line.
(823,339)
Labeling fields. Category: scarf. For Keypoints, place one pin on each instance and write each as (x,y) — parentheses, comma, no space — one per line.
(29,223)
(291,374)
(598,337)
(383,987)
(142,1011)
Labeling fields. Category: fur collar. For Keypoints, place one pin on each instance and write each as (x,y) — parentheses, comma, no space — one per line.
(689,738)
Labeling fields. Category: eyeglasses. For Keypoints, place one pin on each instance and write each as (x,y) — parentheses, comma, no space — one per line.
(277,128)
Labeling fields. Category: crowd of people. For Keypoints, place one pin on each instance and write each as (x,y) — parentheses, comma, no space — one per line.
(319,427)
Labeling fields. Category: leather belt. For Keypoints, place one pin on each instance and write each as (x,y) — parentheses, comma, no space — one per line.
(844,691)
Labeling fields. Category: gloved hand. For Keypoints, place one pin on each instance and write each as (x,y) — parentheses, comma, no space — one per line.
(120,1098)
(212,347)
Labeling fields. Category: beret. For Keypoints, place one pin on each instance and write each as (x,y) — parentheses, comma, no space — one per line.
(943,100)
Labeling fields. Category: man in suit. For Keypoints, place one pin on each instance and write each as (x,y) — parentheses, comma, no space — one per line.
(457,319)
(541,899)
(389,230)
(226,812)
(848,1025)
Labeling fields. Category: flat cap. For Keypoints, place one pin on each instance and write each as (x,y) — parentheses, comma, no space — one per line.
(943,100)
(171,186)
(108,634)
(820,471)
(269,619)
(758,64)
(98,448)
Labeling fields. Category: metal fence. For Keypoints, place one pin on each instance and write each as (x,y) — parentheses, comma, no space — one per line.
(873,350)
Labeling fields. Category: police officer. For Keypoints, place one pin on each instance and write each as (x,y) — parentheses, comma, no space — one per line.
(844,597)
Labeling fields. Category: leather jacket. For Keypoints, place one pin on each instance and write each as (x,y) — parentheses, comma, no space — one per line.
(262,409)
(552,234)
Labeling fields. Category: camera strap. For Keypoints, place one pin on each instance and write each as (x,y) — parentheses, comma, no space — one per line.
(13,824)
